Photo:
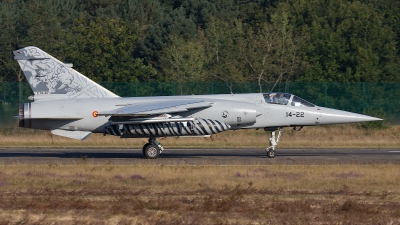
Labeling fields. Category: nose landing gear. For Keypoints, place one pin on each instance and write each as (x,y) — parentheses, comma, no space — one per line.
(273,142)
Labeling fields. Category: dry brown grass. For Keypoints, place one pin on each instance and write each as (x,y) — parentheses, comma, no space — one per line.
(83,193)
(350,136)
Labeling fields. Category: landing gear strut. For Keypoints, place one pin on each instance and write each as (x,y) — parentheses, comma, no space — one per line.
(273,142)
(152,149)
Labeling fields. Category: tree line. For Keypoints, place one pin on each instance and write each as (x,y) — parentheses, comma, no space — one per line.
(208,40)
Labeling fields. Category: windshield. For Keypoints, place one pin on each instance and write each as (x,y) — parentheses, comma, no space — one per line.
(296,101)
(277,98)
(281,98)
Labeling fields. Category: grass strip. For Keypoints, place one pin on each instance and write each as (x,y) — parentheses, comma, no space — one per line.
(88,193)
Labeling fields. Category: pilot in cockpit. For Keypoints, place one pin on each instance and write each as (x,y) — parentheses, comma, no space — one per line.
(281,100)
(270,98)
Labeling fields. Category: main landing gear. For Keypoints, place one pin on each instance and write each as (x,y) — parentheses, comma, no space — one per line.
(273,142)
(152,149)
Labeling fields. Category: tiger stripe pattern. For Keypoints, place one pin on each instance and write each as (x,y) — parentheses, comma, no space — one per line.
(163,129)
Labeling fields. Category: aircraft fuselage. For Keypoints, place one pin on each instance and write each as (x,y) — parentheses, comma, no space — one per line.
(237,110)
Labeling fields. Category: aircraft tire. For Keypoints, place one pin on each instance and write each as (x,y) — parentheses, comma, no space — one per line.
(144,146)
(271,154)
(151,151)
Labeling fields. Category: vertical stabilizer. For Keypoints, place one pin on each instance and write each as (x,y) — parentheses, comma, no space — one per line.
(50,78)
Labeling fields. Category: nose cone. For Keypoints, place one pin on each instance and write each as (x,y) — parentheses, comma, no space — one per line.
(334,116)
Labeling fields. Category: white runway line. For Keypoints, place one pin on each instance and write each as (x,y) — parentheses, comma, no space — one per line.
(394,151)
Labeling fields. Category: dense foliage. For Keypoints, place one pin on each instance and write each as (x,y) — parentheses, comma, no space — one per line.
(209,40)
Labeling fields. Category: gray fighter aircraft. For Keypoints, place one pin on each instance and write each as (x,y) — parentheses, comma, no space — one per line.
(71,105)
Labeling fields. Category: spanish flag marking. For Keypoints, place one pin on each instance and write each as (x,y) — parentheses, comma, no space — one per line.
(94,113)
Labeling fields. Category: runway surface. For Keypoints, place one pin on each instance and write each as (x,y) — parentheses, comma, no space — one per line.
(200,156)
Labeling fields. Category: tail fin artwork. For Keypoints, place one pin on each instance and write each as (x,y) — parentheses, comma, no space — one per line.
(49,78)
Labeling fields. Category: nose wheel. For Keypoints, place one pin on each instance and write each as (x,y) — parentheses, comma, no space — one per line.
(152,149)
(271,153)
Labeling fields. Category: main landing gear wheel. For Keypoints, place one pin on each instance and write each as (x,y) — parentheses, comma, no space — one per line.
(144,147)
(151,151)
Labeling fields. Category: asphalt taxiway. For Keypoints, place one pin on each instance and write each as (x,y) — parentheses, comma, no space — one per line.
(200,156)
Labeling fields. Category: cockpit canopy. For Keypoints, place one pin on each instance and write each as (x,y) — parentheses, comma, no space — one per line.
(282,98)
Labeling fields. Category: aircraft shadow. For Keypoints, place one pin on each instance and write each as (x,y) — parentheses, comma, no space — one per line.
(119,155)
(188,154)
(73,155)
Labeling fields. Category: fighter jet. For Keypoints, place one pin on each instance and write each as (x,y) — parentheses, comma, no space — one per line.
(71,105)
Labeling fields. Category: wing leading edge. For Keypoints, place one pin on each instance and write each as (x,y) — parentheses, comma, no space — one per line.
(157,108)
